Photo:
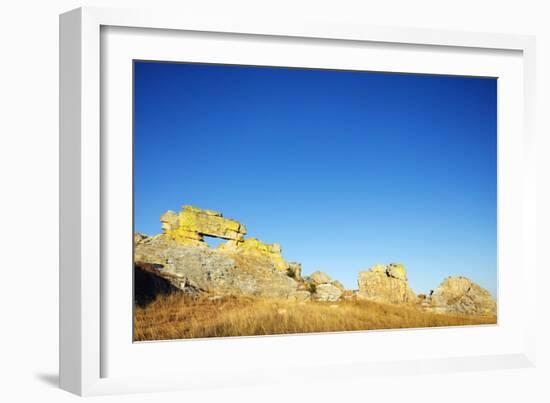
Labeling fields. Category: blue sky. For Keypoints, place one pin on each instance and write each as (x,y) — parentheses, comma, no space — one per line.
(343,169)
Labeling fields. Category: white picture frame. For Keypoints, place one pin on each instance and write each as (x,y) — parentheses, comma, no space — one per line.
(85,313)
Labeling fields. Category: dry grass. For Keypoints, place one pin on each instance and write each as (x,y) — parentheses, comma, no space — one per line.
(176,316)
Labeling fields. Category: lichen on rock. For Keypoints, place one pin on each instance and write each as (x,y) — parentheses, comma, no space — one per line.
(254,246)
(237,267)
(191,224)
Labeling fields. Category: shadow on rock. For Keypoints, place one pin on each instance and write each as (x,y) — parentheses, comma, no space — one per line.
(148,284)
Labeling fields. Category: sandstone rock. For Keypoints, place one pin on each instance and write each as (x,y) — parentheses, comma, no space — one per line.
(272,252)
(193,268)
(385,283)
(192,223)
(327,292)
(318,277)
(461,295)
(397,270)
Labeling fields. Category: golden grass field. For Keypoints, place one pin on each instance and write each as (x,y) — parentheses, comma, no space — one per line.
(176,316)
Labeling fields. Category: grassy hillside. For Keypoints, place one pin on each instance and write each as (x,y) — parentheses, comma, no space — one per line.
(176,316)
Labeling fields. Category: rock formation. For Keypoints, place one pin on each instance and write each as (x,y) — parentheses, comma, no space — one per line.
(192,223)
(323,287)
(180,259)
(461,295)
(239,266)
(385,283)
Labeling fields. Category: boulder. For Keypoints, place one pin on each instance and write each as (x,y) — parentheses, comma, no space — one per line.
(327,292)
(318,277)
(461,295)
(385,283)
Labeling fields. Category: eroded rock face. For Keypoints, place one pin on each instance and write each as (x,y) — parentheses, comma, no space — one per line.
(253,246)
(192,223)
(385,283)
(461,295)
(195,269)
(237,267)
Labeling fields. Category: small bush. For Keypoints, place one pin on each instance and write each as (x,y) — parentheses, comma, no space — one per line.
(312,288)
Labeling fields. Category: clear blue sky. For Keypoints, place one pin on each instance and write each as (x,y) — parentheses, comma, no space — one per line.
(343,169)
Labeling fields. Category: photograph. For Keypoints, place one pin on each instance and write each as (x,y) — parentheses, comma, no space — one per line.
(272,200)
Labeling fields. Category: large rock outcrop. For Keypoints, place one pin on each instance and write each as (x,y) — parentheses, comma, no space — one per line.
(461,295)
(385,283)
(237,267)
(189,227)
